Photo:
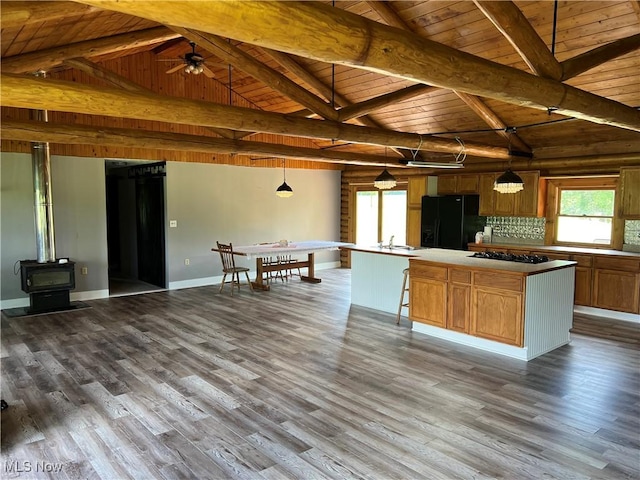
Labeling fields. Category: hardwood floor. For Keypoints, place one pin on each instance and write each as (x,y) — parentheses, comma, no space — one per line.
(293,383)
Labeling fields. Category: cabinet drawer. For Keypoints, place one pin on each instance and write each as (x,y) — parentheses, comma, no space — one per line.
(419,270)
(460,276)
(554,256)
(583,260)
(498,280)
(624,264)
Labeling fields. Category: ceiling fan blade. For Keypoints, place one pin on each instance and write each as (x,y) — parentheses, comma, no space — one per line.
(207,72)
(175,69)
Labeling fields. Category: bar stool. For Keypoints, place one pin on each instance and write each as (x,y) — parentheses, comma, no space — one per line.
(405,289)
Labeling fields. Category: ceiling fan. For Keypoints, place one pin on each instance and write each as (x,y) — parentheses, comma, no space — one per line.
(192,63)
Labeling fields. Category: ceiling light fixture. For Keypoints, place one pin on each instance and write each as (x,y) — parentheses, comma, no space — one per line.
(420,163)
(509,182)
(284,190)
(385,180)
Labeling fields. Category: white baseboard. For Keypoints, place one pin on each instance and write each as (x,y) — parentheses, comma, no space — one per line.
(472,341)
(191,283)
(600,312)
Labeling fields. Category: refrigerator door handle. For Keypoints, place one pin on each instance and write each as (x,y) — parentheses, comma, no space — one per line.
(436,233)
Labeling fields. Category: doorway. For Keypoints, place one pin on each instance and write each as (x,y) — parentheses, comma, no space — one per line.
(135,194)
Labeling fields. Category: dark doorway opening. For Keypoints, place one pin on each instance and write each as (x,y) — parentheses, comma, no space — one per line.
(135,226)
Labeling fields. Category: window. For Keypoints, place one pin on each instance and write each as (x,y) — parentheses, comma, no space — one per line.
(584,212)
(381,214)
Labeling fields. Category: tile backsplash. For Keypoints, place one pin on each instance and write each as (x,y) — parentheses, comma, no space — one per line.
(517,229)
(632,232)
(531,230)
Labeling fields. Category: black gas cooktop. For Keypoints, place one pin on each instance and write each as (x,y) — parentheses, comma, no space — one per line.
(510,257)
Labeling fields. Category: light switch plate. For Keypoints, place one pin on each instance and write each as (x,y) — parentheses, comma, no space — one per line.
(173,223)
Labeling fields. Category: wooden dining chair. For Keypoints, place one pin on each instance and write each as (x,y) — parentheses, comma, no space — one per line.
(229,266)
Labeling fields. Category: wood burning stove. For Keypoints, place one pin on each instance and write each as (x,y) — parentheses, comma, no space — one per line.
(48,284)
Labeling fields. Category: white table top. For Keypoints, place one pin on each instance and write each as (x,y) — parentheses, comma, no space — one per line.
(270,249)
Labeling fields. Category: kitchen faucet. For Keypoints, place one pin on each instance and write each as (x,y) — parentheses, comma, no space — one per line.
(391,241)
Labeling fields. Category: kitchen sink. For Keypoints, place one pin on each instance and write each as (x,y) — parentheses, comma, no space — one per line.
(398,247)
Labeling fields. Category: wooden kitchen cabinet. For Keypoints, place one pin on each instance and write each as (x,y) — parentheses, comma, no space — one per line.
(447,184)
(629,189)
(416,189)
(459,301)
(487,194)
(497,315)
(458,184)
(583,286)
(616,290)
(527,203)
(428,301)
(616,283)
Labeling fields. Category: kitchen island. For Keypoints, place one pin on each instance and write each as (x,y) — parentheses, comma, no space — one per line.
(515,309)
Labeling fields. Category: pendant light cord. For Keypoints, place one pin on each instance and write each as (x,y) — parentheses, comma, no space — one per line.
(555,23)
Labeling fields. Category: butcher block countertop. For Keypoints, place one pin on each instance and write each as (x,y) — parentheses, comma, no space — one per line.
(460,258)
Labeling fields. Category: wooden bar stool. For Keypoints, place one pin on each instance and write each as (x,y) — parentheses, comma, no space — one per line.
(405,290)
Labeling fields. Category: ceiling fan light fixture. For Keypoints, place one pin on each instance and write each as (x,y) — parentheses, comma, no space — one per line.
(385,181)
(508,182)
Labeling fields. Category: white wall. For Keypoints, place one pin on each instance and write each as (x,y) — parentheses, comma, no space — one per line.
(209,202)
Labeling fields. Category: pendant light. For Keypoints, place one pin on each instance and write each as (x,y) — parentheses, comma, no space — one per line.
(284,190)
(385,180)
(509,182)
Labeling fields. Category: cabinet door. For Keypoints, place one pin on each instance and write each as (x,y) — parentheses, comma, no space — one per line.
(414,217)
(630,193)
(615,290)
(497,315)
(526,204)
(505,203)
(487,194)
(416,189)
(447,184)
(428,300)
(459,307)
(583,286)
(467,184)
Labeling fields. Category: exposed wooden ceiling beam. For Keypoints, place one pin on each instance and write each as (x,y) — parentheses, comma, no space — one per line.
(473,102)
(31,92)
(97,71)
(515,27)
(52,57)
(18,14)
(328,92)
(245,62)
(491,119)
(337,36)
(135,138)
(588,60)
(28,131)
(376,103)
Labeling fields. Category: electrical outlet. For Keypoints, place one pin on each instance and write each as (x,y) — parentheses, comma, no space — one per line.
(84,270)
(186,261)
(173,223)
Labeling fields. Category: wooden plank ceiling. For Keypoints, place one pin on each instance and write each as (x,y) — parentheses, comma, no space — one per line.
(329,84)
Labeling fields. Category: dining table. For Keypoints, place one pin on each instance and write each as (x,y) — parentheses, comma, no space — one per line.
(261,251)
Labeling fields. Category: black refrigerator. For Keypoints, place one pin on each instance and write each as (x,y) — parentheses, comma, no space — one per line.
(451,221)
